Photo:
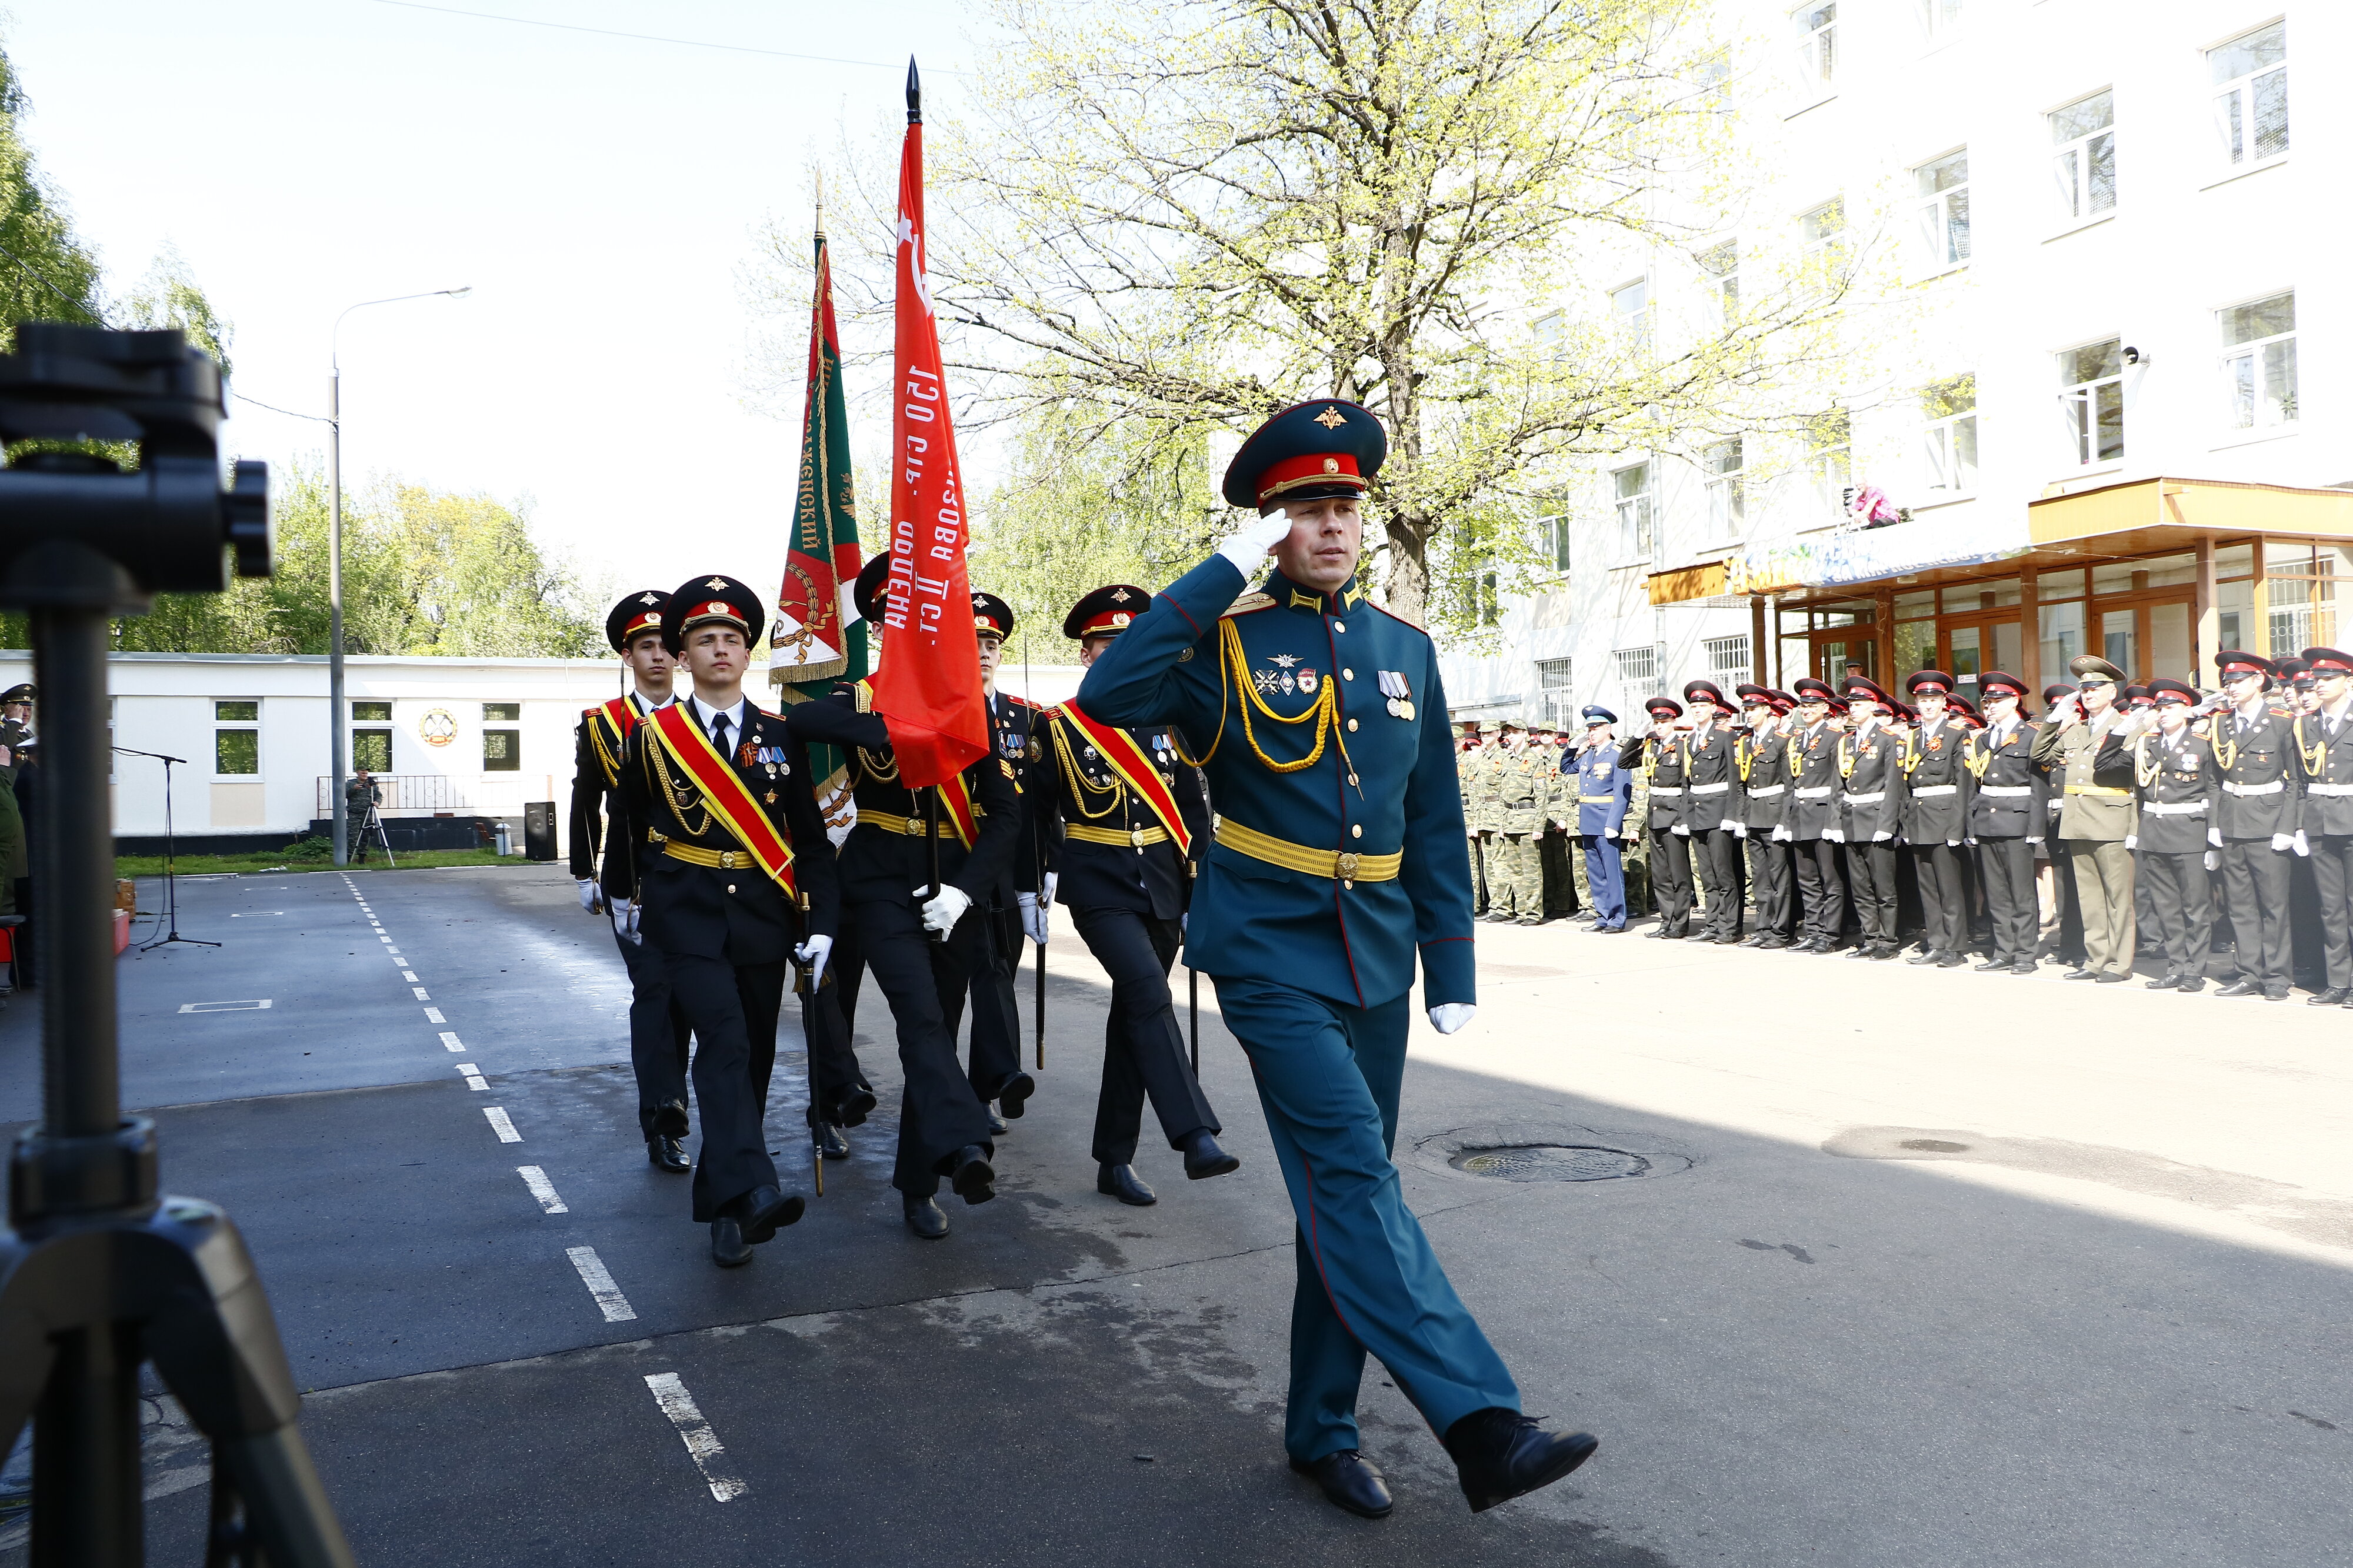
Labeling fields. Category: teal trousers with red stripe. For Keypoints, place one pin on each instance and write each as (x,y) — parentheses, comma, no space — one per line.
(1329,1078)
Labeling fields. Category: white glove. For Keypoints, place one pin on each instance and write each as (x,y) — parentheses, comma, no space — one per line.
(2303,844)
(1448,1017)
(1881,837)
(2283,841)
(1034,910)
(941,913)
(1739,830)
(1046,895)
(1956,842)
(1681,830)
(2213,860)
(587,893)
(2036,842)
(1835,835)
(2132,841)
(1248,545)
(814,953)
(2214,837)
(625,919)
(1782,834)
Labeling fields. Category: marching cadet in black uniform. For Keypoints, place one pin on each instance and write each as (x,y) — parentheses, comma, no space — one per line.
(733,880)
(1764,760)
(2180,787)
(886,871)
(657,1026)
(1937,798)
(1013,727)
(1660,754)
(2323,744)
(1870,811)
(1813,770)
(1711,773)
(2255,751)
(1125,816)
(2006,821)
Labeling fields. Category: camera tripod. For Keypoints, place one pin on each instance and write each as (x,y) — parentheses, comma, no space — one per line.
(170,917)
(371,821)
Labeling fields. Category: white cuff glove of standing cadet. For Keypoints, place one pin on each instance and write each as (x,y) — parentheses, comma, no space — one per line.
(2213,860)
(1034,923)
(1681,830)
(1448,1017)
(1247,547)
(942,913)
(2303,844)
(1046,899)
(2132,841)
(625,919)
(588,894)
(1783,836)
(2214,837)
(814,953)
(2283,841)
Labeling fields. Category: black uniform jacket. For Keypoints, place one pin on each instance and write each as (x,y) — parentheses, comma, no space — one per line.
(736,914)
(2263,780)
(1711,778)
(879,864)
(1017,727)
(1077,789)
(2328,758)
(1870,797)
(2007,800)
(2179,785)
(1663,760)
(596,779)
(1764,782)
(1813,770)
(1937,783)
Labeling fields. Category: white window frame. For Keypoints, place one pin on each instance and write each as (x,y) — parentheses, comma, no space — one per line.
(1721,262)
(2244,364)
(1943,434)
(1637,514)
(1637,669)
(2078,408)
(1555,699)
(1942,216)
(1825,250)
(1941,21)
(1723,470)
(1817,26)
(2071,161)
(1634,323)
(2233,102)
(1729,658)
(1549,333)
(250,726)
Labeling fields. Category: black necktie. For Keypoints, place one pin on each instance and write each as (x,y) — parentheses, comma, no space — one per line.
(719,733)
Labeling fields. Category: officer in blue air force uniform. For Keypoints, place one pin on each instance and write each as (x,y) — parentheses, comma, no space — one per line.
(1338,858)
(1605,793)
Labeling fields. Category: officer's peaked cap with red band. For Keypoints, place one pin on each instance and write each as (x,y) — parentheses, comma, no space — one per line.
(1666,705)
(2328,660)
(1310,451)
(1809,689)
(1705,691)
(991,615)
(1869,690)
(1923,681)
(2234,661)
(634,616)
(1752,695)
(1996,683)
(707,599)
(2165,692)
(1108,609)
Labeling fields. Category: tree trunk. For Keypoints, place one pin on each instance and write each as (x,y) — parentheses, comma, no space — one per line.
(1405,586)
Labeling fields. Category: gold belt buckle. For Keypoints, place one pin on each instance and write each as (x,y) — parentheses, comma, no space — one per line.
(1136,836)
(727,859)
(1347,865)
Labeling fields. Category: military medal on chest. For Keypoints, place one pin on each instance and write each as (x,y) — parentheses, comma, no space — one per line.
(1399,692)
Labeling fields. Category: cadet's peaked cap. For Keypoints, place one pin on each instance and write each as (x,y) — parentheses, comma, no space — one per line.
(2055,690)
(634,616)
(2324,661)
(1927,681)
(2091,669)
(1753,695)
(1597,714)
(1868,689)
(1996,683)
(1310,451)
(21,693)
(1705,691)
(867,594)
(1782,701)
(2295,672)
(2166,692)
(2238,662)
(1963,706)
(991,615)
(1809,689)
(1108,609)
(1667,705)
(708,599)
(2136,694)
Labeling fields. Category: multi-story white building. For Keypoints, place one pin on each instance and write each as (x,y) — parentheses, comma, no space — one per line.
(2105,374)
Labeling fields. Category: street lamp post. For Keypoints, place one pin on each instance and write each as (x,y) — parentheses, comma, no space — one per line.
(339,724)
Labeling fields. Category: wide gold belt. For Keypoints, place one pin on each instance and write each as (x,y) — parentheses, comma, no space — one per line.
(1124,837)
(911,826)
(725,860)
(1341,864)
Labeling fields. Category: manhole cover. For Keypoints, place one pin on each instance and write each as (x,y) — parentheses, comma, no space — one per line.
(1548,1162)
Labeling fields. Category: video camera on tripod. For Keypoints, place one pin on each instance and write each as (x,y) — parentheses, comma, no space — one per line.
(98,1272)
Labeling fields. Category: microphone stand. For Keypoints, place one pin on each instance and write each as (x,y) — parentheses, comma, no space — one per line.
(170,912)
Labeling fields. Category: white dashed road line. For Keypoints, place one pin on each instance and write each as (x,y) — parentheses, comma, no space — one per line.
(433,1015)
(541,1188)
(406,976)
(701,1443)
(474,1078)
(599,1281)
(252,1004)
(421,996)
(502,1124)
(451,1041)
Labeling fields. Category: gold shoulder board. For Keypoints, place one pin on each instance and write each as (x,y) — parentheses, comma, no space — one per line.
(1249,602)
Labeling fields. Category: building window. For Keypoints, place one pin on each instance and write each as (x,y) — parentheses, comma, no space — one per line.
(371,748)
(1556,702)
(1722,264)
(1823,232)
(1630,303)
(1557,541)
(1949,437)
(2259,362)
(2301,598)
(236,739)
(1728,500)
(1551,333)
(2250,77)
(1727,658)
(2085,165)
(2092,400)
(1829,464)
(1817,46)
(1638,668)
(501,749)
(1635,540)
(1940,19)
(1944,211)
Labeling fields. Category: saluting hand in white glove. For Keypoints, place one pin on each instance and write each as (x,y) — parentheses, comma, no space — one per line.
(1248,545)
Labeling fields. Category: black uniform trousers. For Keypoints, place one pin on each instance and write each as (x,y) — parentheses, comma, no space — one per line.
(941,1111)
(1944,914)
(984,962)
(2008,867)
(2332,874)
(1670,879)
(733,1010)
(1871,864)
(1143,1050)
(658,1030)
(834,1070)
(2183,913)
(1768,876)
(2254,891)
(1822,890)
(1715,854)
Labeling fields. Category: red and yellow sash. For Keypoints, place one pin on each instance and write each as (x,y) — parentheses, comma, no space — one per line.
(955,795)
(620,717)
(723,791)
(1135,770)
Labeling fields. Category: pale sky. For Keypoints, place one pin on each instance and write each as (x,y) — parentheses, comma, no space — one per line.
(601,196)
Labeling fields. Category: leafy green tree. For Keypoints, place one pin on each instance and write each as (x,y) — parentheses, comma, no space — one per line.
(46,273)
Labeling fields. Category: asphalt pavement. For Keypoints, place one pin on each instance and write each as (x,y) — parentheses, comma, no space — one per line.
(1906,1267)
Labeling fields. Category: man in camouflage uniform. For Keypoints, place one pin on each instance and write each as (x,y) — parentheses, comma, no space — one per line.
(1564,867)
(1519,792)
(1471,776)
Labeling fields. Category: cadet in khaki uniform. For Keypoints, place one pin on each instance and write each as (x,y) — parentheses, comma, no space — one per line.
(2097,814)
(1470,764)
(2179,785)
(2255,822)
(1515,881)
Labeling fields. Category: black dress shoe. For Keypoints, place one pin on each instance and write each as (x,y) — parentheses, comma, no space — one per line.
(2172,979)
(974,1178)
(1885,951)
(1204,1159)
(2332,998)
(1952,960)
(764,1211)
(1530,920)
(1607,930)
(1990,964)
(2276,994)
(1121,1182)
(1773,943)
(2192,985)
(2081,974)
(829,1141)
(669,1119)
(1728,939)
(1349,1480)
(2027,966)
(926,1219)
(997,1125)
(2116,976)
(727,1248)
(851,1111)
(1501,1454)
(2242,987)
(1753,939)
(667,1153)
(1865,950)
(1013,1093)
(1928,955)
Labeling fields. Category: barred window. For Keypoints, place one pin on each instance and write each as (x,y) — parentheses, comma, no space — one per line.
(1556,686)
(1638,667)
(1727,658)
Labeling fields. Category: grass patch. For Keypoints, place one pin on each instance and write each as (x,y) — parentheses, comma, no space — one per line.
(286,860)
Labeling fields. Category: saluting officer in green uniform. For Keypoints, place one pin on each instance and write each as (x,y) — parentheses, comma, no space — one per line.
(2097,816)
(1338,863)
